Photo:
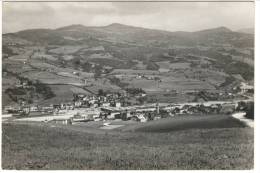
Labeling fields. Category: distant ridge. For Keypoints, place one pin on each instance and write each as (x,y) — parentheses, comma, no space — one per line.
(216,30)
(124,26)
(247,30)
(121,33)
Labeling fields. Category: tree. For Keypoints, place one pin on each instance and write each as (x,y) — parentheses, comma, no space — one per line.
(164,113)
(87,67)
(76,63)
(98,71)
(172,52)
(250,110)
(101,92)
(142,100)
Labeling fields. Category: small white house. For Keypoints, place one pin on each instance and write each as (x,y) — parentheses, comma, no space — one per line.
(33,108)
(106,104)
(245,87)
(118,104)
(78,104)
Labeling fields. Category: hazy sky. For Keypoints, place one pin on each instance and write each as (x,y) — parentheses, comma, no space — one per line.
(171,16)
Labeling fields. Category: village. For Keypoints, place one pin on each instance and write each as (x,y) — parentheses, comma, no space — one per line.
(109,106)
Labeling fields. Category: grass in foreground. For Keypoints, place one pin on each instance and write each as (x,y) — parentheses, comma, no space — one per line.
(42,147)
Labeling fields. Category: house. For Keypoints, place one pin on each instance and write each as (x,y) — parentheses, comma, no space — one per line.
(25,83)
(114,115)
(227,108)
(62,106)
(34,109)
(118,104)
(8,108)
(80,118)
(78,103)
(62,121)
(143,94)
(128,114)
(47,109)
(246,87)
(76,73)
(157,117)
(69,106)
(26,109)
(106,104)
(142,117)
(92,101)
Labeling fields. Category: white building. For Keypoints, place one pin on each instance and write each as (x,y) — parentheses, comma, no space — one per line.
(245,87)
(118,104)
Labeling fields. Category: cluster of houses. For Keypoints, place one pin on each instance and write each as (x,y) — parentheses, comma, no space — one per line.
(245,87)
(152,112)
(225,108)
(80,101)
(111,106)
(101,100)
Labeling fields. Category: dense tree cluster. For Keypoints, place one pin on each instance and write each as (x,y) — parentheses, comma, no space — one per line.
(135,91)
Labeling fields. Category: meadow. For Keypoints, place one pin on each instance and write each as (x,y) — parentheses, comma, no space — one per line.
(63,94)
(41,146)
(51,78)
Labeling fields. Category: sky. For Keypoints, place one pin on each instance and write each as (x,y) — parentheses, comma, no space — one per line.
(170,16)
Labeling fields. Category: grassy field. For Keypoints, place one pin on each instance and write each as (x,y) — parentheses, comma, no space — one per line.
(26,146)
(66,50)
(64,93)
(167,83)
(50,78)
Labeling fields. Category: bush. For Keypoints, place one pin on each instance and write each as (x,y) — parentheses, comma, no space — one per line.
(152,66)
(117,82)
(249,109)
(135,91)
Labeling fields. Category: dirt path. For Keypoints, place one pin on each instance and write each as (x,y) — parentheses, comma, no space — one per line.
(241,117)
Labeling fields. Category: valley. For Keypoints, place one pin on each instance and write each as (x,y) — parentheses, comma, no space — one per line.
(113,58)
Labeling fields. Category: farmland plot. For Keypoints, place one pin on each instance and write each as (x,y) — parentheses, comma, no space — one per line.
(50,78)
(21,57)
(212,77)
(16,66)
(103,84)
(42,65)
(103,55)
(168,83)
(67,72)
(70,72)
(66,50)
(166,66)
(135,72)
(183,85)
(147,85)
(42,55)
(67,57)
(97,48)
(63,94)
(140,65)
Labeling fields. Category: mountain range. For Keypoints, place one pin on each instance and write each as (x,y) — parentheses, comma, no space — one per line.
(118,33)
